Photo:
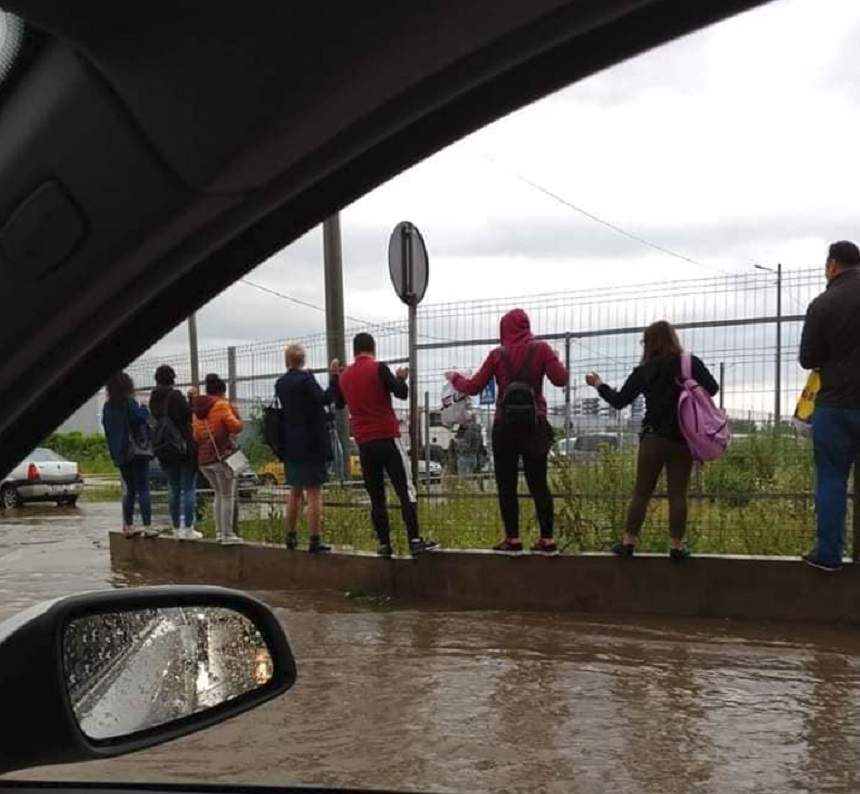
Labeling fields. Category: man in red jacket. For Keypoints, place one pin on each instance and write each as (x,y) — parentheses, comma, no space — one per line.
(365,387)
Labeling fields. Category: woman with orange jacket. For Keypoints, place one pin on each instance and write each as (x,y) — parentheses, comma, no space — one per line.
(216,423)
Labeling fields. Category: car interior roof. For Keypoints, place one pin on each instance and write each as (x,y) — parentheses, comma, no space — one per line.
(150,155)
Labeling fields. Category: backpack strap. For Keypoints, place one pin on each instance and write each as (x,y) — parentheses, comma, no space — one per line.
(686,366)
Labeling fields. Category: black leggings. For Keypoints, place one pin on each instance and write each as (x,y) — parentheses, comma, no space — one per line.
(377,457)
(532,445)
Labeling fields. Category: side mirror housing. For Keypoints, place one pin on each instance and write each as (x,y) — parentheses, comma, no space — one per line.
(107,673)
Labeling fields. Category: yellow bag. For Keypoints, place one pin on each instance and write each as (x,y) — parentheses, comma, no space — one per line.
(806,402)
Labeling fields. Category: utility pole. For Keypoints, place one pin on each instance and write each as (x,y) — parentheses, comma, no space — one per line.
(334,318)
(193,351)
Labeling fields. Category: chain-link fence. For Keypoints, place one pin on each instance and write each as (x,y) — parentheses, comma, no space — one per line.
(746,328)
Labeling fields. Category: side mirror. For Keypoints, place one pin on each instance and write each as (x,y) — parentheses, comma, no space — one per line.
(107,673)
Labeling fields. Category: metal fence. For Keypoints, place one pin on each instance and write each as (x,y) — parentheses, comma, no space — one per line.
(745,327)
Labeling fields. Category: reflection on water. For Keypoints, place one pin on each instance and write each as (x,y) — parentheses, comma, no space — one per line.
(472,701)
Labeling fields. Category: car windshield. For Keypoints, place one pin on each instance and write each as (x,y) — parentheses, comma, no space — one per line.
(490,580)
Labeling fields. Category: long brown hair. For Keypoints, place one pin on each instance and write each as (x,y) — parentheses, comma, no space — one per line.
(120,388)
(660,340)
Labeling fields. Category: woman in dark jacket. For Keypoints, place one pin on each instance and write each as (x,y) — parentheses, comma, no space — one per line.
(305,445)
(662,445)
(125,422)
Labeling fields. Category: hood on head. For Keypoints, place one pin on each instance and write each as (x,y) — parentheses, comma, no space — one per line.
(202,405)
(515,329)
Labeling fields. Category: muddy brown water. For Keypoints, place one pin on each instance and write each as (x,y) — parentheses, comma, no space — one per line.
(486,701)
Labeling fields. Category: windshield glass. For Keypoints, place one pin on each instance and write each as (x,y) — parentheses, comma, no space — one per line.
(11,35)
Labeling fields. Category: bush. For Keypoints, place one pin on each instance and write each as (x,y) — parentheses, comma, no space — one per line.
(88,449)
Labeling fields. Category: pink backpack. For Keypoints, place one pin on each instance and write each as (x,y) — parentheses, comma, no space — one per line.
(704,426)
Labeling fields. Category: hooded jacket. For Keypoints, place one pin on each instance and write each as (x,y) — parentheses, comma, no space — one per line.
(215,414)
(516,337)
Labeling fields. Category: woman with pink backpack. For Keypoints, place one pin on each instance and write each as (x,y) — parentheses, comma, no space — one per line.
(664,443)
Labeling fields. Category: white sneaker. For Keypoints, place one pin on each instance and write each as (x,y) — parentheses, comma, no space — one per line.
(151,532)
(188,534)
(231,540)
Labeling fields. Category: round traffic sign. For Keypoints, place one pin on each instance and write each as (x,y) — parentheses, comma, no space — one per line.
(407,263)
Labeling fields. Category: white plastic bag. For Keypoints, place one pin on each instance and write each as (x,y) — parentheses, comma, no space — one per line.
(455,406)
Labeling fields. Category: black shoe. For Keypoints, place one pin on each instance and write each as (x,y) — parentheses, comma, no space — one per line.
(507,545)
(830,567)
(317,546)
(419,546)
(385,551)
(623,549)
(292,541)
(679,555)
(545,546)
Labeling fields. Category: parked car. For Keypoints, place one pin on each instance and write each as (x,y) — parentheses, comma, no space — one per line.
(589,445)
(43,476)
(248,481)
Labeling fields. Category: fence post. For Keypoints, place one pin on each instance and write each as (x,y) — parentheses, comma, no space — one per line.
(722,384)
(231,374)
(427,439)
(567,388)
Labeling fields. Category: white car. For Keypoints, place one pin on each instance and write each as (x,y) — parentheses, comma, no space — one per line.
(43,476)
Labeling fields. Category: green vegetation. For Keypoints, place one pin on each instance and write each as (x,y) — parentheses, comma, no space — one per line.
(88,449)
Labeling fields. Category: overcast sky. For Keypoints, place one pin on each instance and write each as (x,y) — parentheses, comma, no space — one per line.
(733,146)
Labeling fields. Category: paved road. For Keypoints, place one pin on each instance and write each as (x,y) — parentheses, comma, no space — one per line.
(486,701)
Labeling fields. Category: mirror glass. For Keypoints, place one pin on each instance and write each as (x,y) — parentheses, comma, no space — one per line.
(129,671)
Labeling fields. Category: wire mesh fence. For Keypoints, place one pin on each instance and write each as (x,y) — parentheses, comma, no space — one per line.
(746,328)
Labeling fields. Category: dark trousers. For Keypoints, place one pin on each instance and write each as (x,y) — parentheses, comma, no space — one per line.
(532,446)
(655,454)
(182,492)
(135,478)
(378,457)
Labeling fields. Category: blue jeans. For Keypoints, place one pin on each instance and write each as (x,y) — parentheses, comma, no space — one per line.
(467,464)
(182,493)
(836,439)
(135,478)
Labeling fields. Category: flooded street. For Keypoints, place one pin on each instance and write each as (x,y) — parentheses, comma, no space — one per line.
(486,701)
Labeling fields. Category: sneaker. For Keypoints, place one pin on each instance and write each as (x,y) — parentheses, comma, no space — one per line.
(508,545)
(385,551)
(317,546)
(623,549)
(231,540)
(150,532)
(189,533)
(679,555)
(292,541)
(545,546)
(830,567)
(130,532)
(419,546)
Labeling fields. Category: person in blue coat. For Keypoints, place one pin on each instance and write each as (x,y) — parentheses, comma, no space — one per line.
(305,444)
(126,428)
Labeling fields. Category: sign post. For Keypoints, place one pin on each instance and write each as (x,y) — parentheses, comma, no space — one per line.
(409,270)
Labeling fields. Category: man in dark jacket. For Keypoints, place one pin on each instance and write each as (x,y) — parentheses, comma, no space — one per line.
(172,414)
(831,344)
(305,447)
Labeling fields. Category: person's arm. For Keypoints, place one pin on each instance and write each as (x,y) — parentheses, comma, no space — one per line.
(631,389)
(475,384)
(702,376)
(232,421)
(813,354)
(181,408)
(555,370)
(395,386)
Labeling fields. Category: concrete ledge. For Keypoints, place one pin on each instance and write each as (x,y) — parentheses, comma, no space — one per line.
(749,588)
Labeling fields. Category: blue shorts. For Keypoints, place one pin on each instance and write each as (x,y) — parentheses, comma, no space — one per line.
(305,475)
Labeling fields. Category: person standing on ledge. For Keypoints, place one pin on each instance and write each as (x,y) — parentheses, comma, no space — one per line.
(830,343)
(365,387)
(520,428)
(661,445)
(305,444)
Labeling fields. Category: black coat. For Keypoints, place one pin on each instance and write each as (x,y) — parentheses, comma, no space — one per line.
(831,341)
(304,431)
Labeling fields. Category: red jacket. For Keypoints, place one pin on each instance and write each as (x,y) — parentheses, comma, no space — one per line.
(516,337)
(366,388)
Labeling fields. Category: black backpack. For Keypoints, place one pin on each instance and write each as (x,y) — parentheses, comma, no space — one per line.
(168,443)
(518,402)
